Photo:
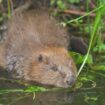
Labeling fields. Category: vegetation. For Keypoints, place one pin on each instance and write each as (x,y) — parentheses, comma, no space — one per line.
(87,18)
(89,22)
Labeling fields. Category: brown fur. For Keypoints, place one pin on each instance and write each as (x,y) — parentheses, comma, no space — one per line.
(36,49)
(2,56)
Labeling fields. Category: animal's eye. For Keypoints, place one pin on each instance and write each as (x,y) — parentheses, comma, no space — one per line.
(40,58)
(43,58)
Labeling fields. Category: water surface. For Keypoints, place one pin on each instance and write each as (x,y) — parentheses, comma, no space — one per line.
(86,95)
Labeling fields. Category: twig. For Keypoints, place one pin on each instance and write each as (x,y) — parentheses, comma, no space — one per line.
(75,12)
(92,4)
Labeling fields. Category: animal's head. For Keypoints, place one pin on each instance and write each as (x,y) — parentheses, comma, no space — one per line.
(52,66)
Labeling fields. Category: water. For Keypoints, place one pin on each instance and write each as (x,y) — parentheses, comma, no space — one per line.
(86,95)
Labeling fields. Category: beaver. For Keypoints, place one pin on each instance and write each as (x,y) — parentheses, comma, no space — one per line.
(35,49)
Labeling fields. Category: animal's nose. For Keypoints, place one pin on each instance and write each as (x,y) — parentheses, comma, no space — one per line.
(71,80)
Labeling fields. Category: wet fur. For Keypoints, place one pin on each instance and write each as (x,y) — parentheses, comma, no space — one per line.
(35,49)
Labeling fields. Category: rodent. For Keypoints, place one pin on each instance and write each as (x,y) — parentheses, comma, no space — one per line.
(35,49)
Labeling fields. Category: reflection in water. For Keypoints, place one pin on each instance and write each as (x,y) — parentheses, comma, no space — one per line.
(44,98)
(95,96)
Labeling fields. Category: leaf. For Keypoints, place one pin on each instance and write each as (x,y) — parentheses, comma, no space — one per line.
(80,58)
(74,1)
(61,4)
(98,67)
(35,89)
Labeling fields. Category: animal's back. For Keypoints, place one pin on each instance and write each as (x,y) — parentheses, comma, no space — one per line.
(35,28)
